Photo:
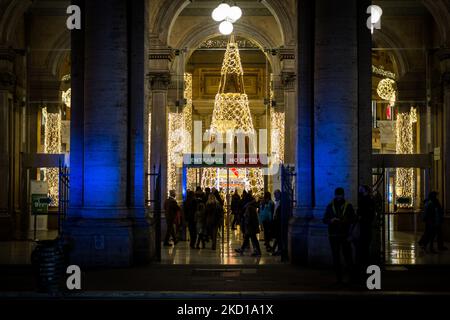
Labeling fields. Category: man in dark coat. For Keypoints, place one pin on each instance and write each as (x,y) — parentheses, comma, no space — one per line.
(340,216)
(251,229)
(366,218)
(171,209)
(190,206)
(433,217)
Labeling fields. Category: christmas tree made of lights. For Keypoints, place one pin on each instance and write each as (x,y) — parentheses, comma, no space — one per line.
(232,112)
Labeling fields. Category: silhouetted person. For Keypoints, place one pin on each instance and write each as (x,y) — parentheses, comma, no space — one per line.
(276,248)
(250,229)
(235,200)
(171,209)
(200,219)
(190,206)
(339,216)
(213,217)
(433,217)
(266,217)
(207,193)
(366,217)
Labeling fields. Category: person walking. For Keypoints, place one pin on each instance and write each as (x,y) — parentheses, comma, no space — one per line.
(433,217)
(251,230)
(200,220)
(365,218)
(266,209)
(212,212)
(171,209)
(339,216)
(276,248)
(235,201)
(190,206)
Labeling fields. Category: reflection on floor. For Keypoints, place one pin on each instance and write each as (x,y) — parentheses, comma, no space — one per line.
(19,252)
(223,255)
(402,249)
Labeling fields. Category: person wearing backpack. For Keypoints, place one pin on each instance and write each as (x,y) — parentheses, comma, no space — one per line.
(340,216)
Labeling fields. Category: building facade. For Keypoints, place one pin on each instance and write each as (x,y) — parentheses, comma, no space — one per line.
(101,99)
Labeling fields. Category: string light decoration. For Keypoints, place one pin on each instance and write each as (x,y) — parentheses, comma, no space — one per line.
(52,145)
(66,97)
(232,113)
(386,90)
(277,122)
(180,133)
(405,178)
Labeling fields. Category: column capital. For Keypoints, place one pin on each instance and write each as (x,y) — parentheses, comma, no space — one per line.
(7,53)
(288,80)
(7,76)
(444,58)
(286,54)
(159,80)
(7,80)
(162,54)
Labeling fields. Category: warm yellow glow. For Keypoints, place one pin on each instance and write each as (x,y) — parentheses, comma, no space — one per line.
(277,122)
(66,97)
(405,184)
(178,138)
(52,145)
(180,133)
(386,90)
(232,113)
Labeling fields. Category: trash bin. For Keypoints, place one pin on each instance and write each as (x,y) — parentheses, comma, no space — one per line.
(48,263)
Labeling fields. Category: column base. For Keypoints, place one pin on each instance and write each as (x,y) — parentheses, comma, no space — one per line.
(6,228)
(308,242)
(144,245)
(100,242)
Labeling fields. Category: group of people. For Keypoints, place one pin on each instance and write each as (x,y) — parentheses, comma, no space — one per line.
(252,214)
(348,229)
(203,212)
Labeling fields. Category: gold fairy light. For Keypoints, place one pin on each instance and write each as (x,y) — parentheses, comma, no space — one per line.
(232,113)
(180,133)
(52,145)
(386,90)
(66,97)
(277,122)
(405,184)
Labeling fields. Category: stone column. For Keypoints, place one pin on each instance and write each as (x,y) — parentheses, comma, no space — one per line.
(159,80)
(445,70)
(298,226)
(142,234)
(7,81)
(334,152)
(288,83)
(100,229)
(364,96)
(336,99)
(159,83)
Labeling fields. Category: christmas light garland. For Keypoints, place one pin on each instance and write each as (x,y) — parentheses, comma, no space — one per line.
(52,145)
(232,113)
(405,177)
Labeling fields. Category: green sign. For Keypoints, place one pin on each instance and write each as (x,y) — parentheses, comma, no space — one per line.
(39,204)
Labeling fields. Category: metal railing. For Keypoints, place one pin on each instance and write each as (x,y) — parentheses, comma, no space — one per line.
(64,186)
(154,183)
(288,176)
